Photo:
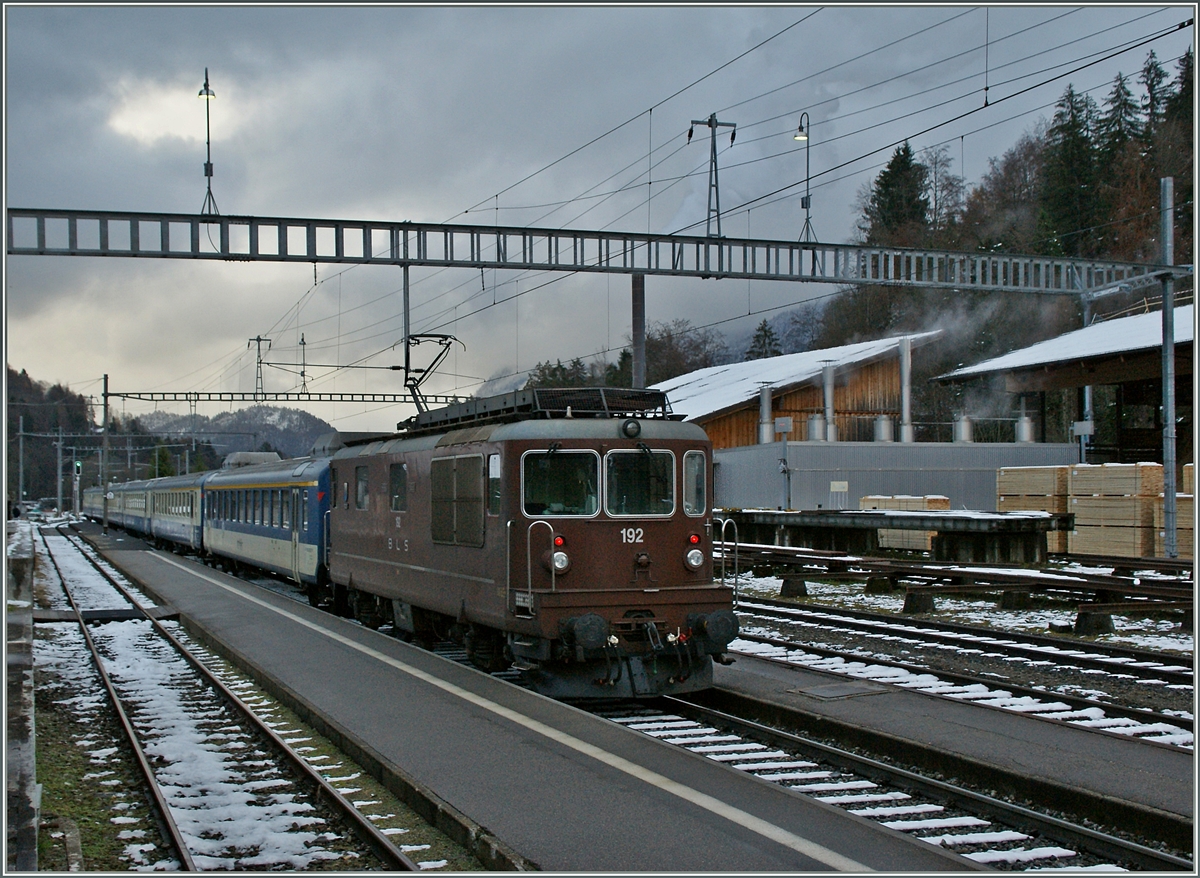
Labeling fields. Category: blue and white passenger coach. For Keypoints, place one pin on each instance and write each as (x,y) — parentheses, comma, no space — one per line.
(271,516)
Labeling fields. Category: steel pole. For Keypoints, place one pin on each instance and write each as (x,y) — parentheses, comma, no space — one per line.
(639,332)
(20,460)
(59,494)
(104,458)
(1167,203)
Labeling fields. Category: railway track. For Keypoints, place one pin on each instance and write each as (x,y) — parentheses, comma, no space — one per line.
(229,790)
(866,662)
(1108,659)
(982,828)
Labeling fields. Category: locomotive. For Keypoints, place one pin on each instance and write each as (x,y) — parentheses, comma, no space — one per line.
(565,532)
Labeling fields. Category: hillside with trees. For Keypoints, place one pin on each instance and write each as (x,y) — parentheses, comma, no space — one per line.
(153,445)
(1084,184)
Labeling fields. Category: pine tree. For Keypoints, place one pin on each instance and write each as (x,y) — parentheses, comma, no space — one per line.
(764,344)
(1070,195)
(1120,123)
(1178,105)
(1152,78)
(896,208)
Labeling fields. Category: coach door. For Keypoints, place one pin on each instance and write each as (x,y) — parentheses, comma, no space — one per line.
(297,516)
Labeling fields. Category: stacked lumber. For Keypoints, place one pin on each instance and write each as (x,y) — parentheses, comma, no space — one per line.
(1034,489)
(1189,479)
(913,540)
(1185,526)
(1114,507)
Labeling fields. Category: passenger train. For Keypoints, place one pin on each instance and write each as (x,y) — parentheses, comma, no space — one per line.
(567,533)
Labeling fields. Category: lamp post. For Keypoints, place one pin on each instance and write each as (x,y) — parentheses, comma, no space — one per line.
(802,134)
(207,94)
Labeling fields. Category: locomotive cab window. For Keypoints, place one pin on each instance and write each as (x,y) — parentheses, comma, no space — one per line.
(694,471)
(560,483)
(360,487)
(639,482)
(398,486)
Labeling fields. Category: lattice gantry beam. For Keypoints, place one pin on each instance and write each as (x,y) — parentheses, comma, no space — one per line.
(281,239)
(270,396)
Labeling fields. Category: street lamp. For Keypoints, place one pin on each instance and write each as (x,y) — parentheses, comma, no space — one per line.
(806,202)
(207,94)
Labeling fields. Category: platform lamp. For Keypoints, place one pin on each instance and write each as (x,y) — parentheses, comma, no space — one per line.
(808,235)
(210,204)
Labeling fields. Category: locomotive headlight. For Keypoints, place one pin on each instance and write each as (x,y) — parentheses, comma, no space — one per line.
(561,562)
(694,559)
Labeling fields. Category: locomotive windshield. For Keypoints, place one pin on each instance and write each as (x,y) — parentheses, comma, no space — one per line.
(640,482)
(561,483)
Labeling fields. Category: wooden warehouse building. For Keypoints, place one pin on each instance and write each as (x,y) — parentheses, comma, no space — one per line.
(1121,359)
(858,389)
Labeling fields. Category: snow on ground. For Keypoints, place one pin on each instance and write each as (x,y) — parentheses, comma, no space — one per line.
(91,591)
(1160,635)
(205,775)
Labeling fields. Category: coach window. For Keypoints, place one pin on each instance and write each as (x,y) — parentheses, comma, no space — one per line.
(639,482)
(287,509)
(560,482)
(694,501)
(493,484)
(360,487)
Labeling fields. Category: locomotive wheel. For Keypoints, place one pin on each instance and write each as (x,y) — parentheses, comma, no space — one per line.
(314,594)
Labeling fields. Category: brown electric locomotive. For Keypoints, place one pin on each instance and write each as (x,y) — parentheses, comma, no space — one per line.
(567,533)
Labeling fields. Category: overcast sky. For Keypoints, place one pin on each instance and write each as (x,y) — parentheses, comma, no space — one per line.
(432,114)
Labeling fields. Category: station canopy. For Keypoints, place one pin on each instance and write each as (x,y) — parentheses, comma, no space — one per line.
(1118,351)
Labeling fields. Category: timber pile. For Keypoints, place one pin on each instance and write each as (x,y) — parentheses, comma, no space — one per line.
(1185,526)
(913,540)
(1034,489)
(1114,507)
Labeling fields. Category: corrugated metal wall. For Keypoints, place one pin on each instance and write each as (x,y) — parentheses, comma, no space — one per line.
(749,477)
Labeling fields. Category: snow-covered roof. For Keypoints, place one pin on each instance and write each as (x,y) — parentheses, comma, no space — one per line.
(1112,337)
(708,391)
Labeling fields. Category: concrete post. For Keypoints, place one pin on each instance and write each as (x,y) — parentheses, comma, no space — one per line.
(906,426)
(827,382)
(766,423)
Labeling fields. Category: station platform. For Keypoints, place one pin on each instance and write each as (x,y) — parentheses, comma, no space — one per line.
(22,791)
(1141,783)
(565,790)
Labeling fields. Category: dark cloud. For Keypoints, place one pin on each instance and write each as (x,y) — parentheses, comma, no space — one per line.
(419,113)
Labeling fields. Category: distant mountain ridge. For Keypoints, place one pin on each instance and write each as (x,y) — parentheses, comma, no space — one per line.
(291,432)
